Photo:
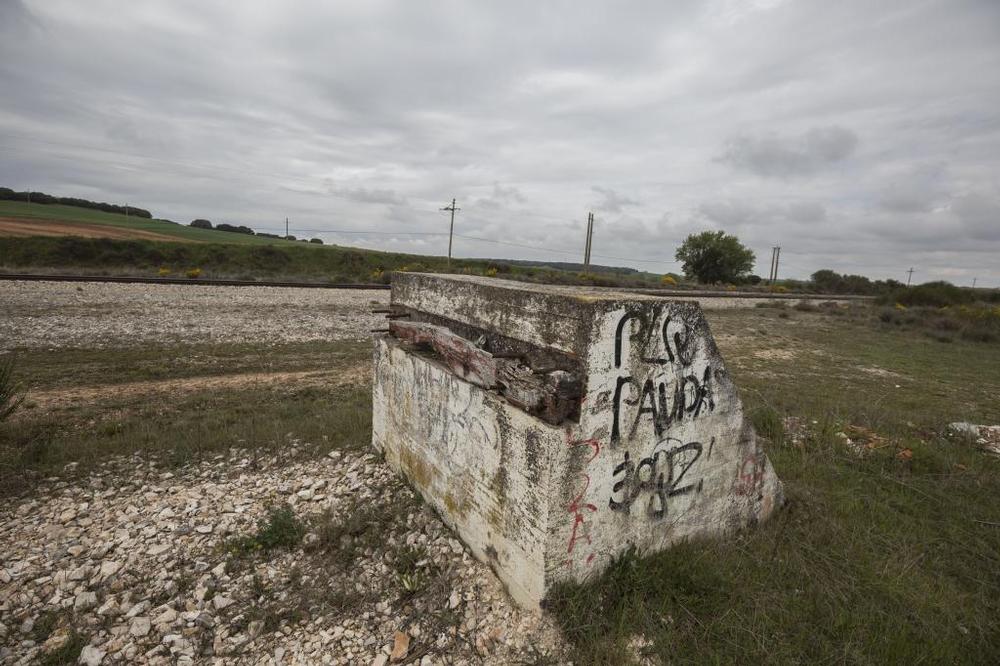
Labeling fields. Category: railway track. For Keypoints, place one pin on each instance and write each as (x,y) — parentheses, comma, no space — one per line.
(692,293)
(194,281)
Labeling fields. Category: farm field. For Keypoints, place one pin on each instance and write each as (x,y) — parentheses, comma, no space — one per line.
(56,239)
(209,447)
(19,218)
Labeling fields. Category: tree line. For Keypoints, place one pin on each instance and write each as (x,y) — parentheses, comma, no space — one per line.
(7,194)
(240,229)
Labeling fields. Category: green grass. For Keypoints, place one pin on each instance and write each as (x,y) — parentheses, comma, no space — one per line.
(888,557)
(279,529)
(71,214)
(186,425)
(875,559)
(221,254)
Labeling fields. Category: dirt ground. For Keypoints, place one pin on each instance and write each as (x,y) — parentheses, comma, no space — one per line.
(12,226)
(81,395)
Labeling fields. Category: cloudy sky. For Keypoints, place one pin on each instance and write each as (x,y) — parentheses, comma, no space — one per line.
(859,136)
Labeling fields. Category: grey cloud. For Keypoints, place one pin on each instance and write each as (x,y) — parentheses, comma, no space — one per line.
(917,190)
(252,113)
(735,214)
(502,196)
(611,201)
(770,155)
(365,195)
(979,215)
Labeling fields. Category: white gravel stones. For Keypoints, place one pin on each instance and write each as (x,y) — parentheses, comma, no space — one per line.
(188,604)
(97,314)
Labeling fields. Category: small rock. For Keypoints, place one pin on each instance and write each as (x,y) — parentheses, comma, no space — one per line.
(108,609)
(91,656)
(168,616)
(56,640)
(221,601)
(400,646)
(140,627)
(85,601)
(110,568)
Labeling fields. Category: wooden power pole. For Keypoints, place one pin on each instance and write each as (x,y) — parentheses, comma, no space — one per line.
(451,229)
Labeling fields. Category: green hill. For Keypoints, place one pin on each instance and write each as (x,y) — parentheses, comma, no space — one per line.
(76,215)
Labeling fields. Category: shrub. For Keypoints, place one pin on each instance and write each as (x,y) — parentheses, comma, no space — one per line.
(194,273)
(164,271)
(234,229)
(933,294)
(317,241)
(668,281)
(490,272)
(280,529)
(201,224)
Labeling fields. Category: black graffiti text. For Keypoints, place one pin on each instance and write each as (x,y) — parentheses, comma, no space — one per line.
(662,403)
(662,475)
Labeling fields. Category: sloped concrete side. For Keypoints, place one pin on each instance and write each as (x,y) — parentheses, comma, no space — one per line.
(663,452)
(483,464)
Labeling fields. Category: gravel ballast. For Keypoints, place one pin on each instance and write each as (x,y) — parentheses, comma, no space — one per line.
(101,315)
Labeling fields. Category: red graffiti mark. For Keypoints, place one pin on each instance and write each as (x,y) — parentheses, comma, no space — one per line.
(750,475)
(578,507)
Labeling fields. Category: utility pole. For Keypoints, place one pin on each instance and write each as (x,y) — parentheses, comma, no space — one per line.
(589,243)
(286,228)
(909,276)
(775,255)
(451,229)
(126,210)
(974,282)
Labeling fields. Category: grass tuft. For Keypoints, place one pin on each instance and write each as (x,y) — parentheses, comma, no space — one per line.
(279,530)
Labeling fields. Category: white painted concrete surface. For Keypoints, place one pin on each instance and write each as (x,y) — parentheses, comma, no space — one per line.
(661,451)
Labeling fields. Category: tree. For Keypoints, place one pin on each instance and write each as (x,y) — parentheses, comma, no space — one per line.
(714,256)
(201,224)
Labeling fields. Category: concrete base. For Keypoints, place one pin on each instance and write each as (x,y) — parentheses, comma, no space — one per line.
(658,449)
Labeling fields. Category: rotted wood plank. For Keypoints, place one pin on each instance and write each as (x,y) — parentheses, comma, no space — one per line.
(463,357)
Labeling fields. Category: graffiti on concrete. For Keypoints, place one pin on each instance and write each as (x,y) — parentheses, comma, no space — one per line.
(677,392)
(579,508)
(664,352)
(663,474)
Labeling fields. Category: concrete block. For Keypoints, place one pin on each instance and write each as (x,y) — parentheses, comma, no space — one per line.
(555,427)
